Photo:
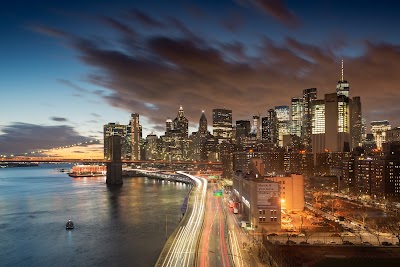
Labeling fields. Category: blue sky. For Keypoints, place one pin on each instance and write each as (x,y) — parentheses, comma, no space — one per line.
(73,66)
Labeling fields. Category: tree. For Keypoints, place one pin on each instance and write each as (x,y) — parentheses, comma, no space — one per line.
(376,227)
(317,196)
(363,214)
(393,226)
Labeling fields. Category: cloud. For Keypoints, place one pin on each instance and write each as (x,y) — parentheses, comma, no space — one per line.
(276,9)
(145,19)
(59,119)
(23,137)
(179,67)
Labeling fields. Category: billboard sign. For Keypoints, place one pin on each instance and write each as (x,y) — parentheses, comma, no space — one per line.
(268,195)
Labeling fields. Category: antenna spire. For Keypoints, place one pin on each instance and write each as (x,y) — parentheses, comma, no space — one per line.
(342,70)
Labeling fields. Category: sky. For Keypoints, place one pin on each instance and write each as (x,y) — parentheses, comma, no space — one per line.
(69,67)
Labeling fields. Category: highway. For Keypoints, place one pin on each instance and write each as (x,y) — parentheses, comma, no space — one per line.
(213,249)
(183,247)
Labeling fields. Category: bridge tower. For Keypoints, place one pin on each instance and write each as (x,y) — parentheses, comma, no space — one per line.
(114,168)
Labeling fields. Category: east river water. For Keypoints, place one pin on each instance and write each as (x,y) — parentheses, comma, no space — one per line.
(113,227)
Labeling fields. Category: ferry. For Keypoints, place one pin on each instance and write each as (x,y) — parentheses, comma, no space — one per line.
(88,171)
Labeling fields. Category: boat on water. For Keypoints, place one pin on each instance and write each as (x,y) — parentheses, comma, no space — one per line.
(88,171)
(69,225)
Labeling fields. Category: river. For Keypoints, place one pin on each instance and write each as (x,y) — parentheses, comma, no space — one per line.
(124,226)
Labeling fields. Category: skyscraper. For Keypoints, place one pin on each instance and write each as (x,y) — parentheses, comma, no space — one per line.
(296,116)
(356,122)
(282,116)
(337,123)
(342,87)
(309,95)
(378,129)
(271,127)
(135,136)
(124,132)
(181,124)
(242,129)
(203,124)
(222,124)
(256,130)
(318,126)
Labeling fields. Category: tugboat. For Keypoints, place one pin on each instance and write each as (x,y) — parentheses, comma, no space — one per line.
(69,225)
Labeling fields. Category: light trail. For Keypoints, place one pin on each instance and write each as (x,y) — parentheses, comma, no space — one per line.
(183,249)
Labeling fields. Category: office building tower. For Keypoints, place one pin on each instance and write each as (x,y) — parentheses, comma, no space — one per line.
(255,129)
(393,135)
(135,136)
(342,87)
(296,116)
(168,127)
(222,124)
(203,124)
(337,123)
(282,116)
(151,147)
(181,124)
(242,130)
(379,129)
(356,122)
(123,131)
(318,126)
(309,95)
(271,127)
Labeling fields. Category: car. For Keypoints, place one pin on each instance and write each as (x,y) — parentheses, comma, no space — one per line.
(277,242)
(294,235)
(385,243)
(285,234)
(290,242)
(335,235)
(301,235)
(318,242)
(346,242)
(304,243)
(332,243)
(366,244)
(272,234)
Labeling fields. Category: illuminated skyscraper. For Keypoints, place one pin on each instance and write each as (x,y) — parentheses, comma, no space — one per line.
(256,130)
(123,131)
(337,123)
(222,124)
(168,127)
(181,124)
(342,87)
(135,136)
(271,127)
(296,116)
(282,116)
(318,126)
(203,124)
(309,95)
(379,129)
(356,122)
(242,130)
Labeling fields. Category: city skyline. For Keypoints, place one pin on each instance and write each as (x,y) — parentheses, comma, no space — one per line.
(72,68)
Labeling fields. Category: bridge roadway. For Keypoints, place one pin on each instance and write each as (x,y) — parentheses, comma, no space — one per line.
(181,248)
(55,159)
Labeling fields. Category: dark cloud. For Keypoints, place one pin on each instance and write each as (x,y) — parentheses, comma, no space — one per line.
(49,31)
(121,27)
(59,119)
(145,19)
(23,137)
(178,67)
(276,9)
(233,22)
